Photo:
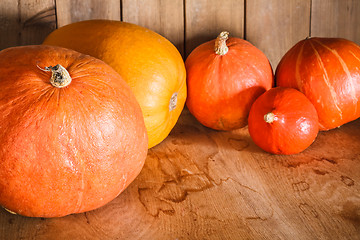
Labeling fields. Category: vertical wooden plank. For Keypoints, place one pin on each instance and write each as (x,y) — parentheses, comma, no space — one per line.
(9,24)
(37,18)
(205,19)
(69,11)
(336,18)
(165,17)
(275,26)
(25,22)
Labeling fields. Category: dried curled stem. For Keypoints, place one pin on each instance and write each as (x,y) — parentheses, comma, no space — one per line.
(60,77)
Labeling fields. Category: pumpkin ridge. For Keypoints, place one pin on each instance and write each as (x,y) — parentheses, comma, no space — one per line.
(346,70)
(78,160)
(51,94)
(43,98)
(43,93)
(257,70)
(353,54)
(355,45)
(82,187)
(326,80)
(240,45)
(297,66)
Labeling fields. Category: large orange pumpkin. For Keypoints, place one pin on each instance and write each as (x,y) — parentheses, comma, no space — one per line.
(224,77)
(327,71)
(283,121)
(72,133)
(148,62)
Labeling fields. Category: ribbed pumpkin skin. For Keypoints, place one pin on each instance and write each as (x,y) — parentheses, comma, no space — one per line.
(148,62)
(221,89)
(295,125)
(327,71)
(65,150)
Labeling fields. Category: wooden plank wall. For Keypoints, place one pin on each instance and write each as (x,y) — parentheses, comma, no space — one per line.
(271,25)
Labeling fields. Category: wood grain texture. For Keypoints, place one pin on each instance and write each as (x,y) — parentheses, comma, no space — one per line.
(205,184)
(69,11)
(206,19)
(336,18)
(25,22)
(9,24)
(37,20)
(165,17)
(275,26)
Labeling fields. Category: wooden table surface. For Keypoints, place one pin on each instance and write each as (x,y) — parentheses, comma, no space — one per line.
(205,184)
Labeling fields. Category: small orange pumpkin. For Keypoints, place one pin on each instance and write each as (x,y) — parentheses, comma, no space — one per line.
(283,121)
(149,63)
(224,77)
(72,133)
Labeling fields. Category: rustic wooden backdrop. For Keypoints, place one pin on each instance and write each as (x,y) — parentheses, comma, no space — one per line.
(271,25)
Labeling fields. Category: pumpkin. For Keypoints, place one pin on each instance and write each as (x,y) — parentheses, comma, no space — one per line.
(283,121)
(148,62)
(224,77)
(72,133)
(327,71)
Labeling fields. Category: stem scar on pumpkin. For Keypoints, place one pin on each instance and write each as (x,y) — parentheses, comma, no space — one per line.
(60,77)
(269,117)
(173,101)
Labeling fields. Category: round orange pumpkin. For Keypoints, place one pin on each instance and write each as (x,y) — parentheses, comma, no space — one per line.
(224,77)
(148,62)
(327,71)
(283,121)
(72,133)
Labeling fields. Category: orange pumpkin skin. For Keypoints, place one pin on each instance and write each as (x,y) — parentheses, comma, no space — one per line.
(149,63)
(222,88)
(327,71)
(283,121)
(65,150)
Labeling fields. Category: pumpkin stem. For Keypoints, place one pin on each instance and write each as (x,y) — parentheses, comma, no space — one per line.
(269,117)
(220,43)
(60,77)
(173,101)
